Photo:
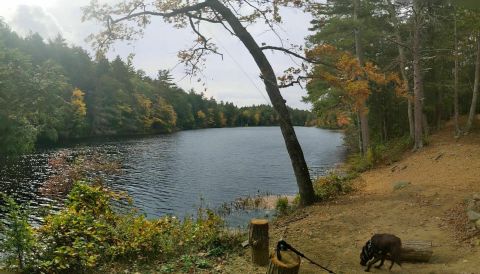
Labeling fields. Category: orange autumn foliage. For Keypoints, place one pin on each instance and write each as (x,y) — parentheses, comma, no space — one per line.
(357,81)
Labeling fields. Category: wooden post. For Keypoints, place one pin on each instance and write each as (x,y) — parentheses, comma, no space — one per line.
(258,239)
(289,264)
(416,251)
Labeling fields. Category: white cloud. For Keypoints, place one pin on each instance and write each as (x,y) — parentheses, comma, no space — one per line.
(34,19)
(235,78)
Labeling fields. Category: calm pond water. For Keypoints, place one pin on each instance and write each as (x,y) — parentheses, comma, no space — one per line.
(174,174)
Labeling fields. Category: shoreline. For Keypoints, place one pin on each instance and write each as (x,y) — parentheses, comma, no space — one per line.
(64,143)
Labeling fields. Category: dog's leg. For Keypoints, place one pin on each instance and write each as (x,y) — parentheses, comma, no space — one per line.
(395,258)
(390,268)
(376,259)
(381,262)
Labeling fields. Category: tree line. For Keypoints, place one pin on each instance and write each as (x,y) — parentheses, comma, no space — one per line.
(388,69)
(50,92)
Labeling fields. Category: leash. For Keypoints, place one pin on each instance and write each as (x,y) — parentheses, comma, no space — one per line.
(282,245)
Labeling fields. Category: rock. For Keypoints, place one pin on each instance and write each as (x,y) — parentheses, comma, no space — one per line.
(476,196)
(473,215)
(470,204)
(400,184)
(477,224)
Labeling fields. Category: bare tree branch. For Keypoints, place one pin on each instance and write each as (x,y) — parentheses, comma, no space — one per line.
(284,50)
(175,12)
(199,17)
(267,21)
(297,81)
(398,43)
(202,38)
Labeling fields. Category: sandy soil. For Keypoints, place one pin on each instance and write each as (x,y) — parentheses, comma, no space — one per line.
(431,208)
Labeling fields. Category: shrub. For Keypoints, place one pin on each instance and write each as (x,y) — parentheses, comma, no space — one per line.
(332,185)
(82,235)
(358,163)
(18,242)
(282,207)
(392,151)
(68,168)
(89,235)
(387,153)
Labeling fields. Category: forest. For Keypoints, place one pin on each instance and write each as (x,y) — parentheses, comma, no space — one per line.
(51,92)
(391,69)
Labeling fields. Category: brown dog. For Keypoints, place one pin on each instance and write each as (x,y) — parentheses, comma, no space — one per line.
(381,247)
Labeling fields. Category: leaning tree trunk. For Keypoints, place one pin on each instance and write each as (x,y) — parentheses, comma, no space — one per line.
(417,79)
(473,106)
(363,113)
(302,175)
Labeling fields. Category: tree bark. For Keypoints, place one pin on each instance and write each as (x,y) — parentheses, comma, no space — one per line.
(403,72)
(363,113)
(403,65)
(289,264)
(411,120)
(417,78)
(364,129)
(356,31)
(416,251)
(359,133)
(473,106)
(258,240)
(302,175)
(455,81)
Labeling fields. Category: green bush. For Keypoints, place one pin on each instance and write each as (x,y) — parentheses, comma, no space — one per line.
(81,236)
(89,235)
(18,136)
(358,163)
(387,153)
(392,151)
(17,243)
(333,185)
(282,207)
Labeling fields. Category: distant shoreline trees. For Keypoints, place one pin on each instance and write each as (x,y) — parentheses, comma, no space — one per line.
(50,92)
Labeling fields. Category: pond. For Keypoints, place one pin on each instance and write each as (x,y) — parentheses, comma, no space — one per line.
(177,173)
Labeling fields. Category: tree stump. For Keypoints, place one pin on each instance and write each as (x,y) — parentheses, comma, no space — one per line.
(258,240)
(416,251)
(289,264)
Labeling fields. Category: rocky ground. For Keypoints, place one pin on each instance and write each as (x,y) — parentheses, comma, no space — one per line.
(422,197)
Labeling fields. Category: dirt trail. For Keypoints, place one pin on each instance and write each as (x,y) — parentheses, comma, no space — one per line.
(441,177)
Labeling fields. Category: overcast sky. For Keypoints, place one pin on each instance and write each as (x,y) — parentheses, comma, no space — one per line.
(234,79)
